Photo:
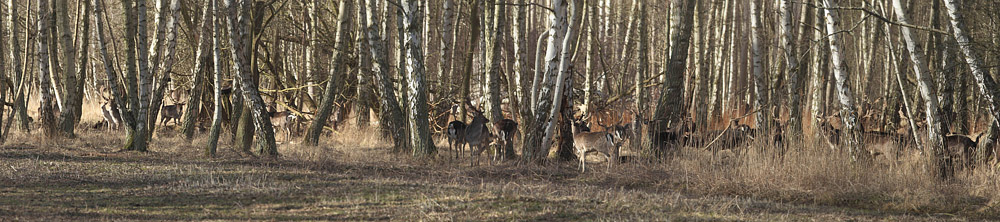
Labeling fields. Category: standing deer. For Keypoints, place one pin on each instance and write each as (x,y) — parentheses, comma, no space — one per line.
(285,120)
(478,135)
(606,142)
(112,117)
(456,137)
(506,130)
(172,112)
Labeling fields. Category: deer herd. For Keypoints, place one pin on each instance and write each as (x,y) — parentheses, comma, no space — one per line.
(602,131)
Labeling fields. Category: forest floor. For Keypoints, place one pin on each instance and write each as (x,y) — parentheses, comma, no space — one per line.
(359,179)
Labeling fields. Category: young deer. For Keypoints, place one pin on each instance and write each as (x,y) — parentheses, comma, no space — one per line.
(478,135)
(172,112)
(456,137)
(113,119)
(506,130)
(285,120)
(605,142)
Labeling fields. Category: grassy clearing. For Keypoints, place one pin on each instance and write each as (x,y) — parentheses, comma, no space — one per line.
(353,177)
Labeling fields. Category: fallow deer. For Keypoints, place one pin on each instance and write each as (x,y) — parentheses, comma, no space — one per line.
(285,120)
(171,112)
(606,142)
(456,137)
(506,129)
(478,136)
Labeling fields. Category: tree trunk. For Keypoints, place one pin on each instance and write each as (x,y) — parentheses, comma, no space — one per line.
(138,141)
(494,46)
(640,75)
(391,115)
(168,64)
(16,67)
(447,40)
(329,94)
(760,106)
(213,138)
(473,43)
(67,120)
(669,107)
(844,95)
(45,108)
(564,73)
(203,58)
(241,66)
(535,142)
(987,85)
(791,66)
(420,135)
(940,157)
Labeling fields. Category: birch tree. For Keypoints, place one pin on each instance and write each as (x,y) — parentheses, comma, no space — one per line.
(156,100)
(67,120)
(241,66)
(535,142)
(927,91)
(844,95)
(213,138)
(987,85)
(203,59)
(391,115)
(760,84)
(791,65)
(669,106)
(329,94)
(420,135)
(45,110)
(14,53)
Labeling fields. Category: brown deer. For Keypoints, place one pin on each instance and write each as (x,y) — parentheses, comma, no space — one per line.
(456,137)
(606,142)
(111,116)
(172,112)
(284,120)
(477,135)
(506,129)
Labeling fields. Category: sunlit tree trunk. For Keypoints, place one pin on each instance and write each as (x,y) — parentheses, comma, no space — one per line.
(420,135)
(844,95)
(168,64)
(534,142)
(391,115)
(241,66)
(213,138)
(14,53)
(791,66)
(926,86)
(817,72)
(67,120)
(138,141)
(760,106)
(45,110)
(203,57)
(987,85)
(494,45)
(640,75)
(329,94)
(447,40)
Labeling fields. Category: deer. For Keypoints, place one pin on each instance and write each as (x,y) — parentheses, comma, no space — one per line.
(285,120)
(506,129)
(478,135)
(606,142)
(172,112)
(456,137)
(111,116)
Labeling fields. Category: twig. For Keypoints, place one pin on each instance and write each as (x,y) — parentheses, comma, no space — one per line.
(528,4)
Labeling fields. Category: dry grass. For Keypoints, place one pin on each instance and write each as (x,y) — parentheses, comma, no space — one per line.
(353,176)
